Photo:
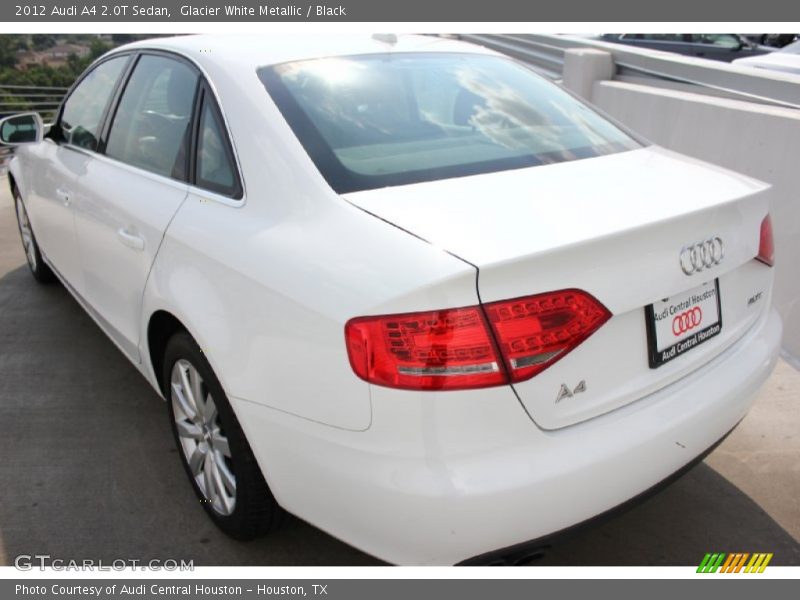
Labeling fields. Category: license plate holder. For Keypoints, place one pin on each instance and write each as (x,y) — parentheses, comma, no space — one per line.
(680,323)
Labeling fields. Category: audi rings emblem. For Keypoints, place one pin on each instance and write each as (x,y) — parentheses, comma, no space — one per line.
(702,255)
(687,321)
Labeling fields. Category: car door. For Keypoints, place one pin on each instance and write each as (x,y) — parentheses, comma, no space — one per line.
(60,163)
(134,189)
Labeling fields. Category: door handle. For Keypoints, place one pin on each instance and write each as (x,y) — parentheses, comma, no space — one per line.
(63,195)
(131,240)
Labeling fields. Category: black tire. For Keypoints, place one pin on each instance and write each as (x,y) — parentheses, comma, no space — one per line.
(41,272)
(255,512)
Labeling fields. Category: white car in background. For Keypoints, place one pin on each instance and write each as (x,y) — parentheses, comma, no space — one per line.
(786,60)
(403,288)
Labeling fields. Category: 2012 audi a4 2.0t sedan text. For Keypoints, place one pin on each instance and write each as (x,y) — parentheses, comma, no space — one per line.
(402,287)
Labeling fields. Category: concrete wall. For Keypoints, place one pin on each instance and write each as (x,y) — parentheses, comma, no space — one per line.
(755,139)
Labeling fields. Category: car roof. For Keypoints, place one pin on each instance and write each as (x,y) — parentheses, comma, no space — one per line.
(253,51)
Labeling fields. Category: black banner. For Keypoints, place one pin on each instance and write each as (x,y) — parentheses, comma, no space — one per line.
(731,587)
(407,10)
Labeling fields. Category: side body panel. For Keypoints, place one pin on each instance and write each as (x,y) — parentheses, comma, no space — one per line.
(53,188)
(120,223)
(268,300)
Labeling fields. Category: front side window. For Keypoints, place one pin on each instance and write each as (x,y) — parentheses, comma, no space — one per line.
(151,127)
(83,111)
(372,121)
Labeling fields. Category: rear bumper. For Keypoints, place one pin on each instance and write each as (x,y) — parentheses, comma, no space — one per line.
(441,478)
(523,552)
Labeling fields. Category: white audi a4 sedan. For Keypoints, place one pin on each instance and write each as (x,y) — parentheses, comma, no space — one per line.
(402,287)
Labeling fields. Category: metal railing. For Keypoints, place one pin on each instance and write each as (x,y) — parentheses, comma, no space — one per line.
(545,53)
(23,98)
(27,98)
(545,58)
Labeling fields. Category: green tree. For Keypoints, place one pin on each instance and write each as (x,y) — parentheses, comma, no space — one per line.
(8,50)
(42,41)
(11,73)
(97,48)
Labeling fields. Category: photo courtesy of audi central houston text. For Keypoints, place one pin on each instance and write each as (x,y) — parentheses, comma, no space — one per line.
(406,289)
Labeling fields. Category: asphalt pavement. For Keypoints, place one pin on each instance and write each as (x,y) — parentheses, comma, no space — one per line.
(88,468)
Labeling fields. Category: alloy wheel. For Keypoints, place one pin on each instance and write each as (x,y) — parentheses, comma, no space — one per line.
(202,440)
(26,233)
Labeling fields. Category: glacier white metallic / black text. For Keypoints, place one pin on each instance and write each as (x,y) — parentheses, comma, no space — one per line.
(402,287)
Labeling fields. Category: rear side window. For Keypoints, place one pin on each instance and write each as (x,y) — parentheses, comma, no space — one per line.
(83,111)
(215,170)
(372,121)
(151,127)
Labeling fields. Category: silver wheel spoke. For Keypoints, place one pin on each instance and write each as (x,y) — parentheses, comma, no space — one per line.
(226,477)
(209,411)
(208,478)
(189,430)
(220,443)
(197,390)
(197,460)
(219,487)
(185,406)
(186,388)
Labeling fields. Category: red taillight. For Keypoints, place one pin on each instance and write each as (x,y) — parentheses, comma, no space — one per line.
(455,348)
(536,331)
(439,350)
(766,245)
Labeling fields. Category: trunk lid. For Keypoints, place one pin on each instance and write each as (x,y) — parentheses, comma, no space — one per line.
(613,226)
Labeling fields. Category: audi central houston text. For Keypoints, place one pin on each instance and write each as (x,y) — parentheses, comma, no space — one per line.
(402,287)
(155,589)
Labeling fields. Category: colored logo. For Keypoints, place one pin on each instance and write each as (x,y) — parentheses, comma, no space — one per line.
(736,562)
(687,320)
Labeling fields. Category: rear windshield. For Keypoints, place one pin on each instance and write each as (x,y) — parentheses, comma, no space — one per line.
(380,120)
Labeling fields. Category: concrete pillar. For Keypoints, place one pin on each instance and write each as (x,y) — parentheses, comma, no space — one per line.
(583,67)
